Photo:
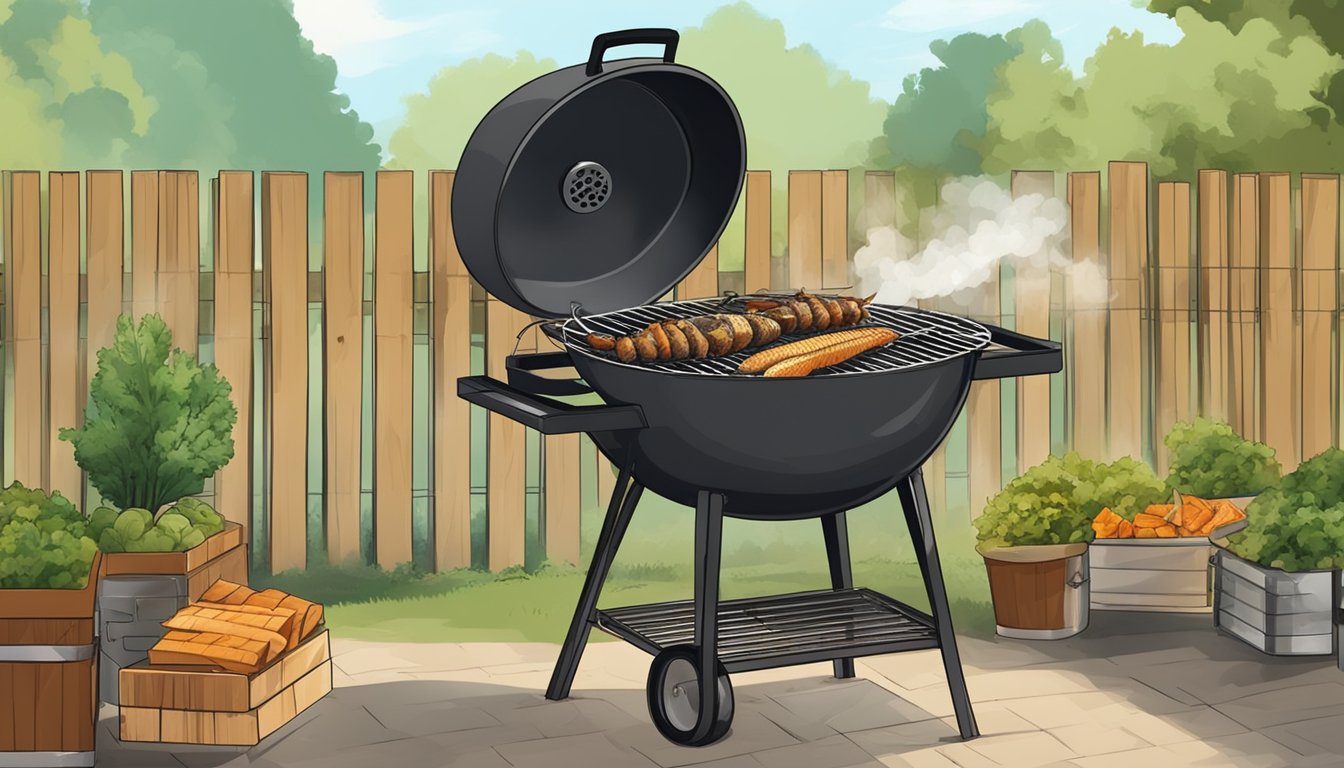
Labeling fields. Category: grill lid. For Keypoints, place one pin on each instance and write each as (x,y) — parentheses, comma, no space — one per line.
(602,184)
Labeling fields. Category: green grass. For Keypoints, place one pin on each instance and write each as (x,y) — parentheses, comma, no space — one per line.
(464,606)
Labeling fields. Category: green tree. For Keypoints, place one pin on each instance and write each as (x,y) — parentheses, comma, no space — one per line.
(236,85)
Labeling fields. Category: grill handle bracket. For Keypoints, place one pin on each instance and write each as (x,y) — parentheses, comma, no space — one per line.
(522,374)
(1022,356)
(536,409)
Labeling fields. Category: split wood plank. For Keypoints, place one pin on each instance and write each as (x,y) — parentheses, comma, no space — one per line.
(835,230)
(756,258)
(343,343)
(1214,299)
(1173,311)
(507,440)
(1086,363)
(1125,412)
(804,230)
(284,253)
(64,382)
(234,253)
(451,337)
(1243,290)
(1319,291)
(144,243)
(1032,291)
(179,259)
(23,300)
(393,329)
(703,281)
(1280,423)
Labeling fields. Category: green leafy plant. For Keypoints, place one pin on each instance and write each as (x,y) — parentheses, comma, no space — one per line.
(1211,461)
(186,524)
(42,541)
(158,423)
(1055,501)
(1298,525)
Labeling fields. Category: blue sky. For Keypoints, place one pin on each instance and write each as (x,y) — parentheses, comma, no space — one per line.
(386,49)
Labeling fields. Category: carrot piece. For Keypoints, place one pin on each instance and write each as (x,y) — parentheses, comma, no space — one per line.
(1145,520)
(1125,530)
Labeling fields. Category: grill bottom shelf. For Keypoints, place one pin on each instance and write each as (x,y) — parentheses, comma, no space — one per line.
(781,630)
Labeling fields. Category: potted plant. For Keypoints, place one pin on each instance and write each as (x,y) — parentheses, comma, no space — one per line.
(1275,581)
(158,424)
(48,578)
(1034,536)
(1211,461)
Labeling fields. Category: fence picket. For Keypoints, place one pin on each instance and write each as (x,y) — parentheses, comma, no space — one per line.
(284,253)
(1214,370)
(1086,363)
(1172,257)
(507,491)
(23,326)
(64,385)
(144,242)
(703,281)
(563,498)
(834,230)
(179,260)
(343,346)
(804,230)
(1243,290)
(1127,349)
(1280,424)
(105,248)
(756,259)
(1319,289)
(392,322)
(234,253)
(1032,290)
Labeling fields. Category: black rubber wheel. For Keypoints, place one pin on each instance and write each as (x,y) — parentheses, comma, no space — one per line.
(674,698)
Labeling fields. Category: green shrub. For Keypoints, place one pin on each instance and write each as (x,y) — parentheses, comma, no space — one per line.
(1298,525)
(42,541)
(157,425)
(186,524)
(1055,501)
(1211,461)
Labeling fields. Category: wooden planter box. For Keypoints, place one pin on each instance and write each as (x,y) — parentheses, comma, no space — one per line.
(1279,613)
(142,589)
(48,675)
(1156,575)
(198,705)
(1039,592)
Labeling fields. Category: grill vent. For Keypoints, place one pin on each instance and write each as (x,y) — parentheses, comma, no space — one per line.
(587,187)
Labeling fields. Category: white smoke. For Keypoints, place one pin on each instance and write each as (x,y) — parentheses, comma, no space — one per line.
(976,226)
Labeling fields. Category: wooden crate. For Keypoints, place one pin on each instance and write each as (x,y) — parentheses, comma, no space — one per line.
(48,675)
(197,705)
(1160,575)
(192,560)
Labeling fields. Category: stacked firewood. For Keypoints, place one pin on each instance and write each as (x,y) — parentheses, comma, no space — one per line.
(236,628)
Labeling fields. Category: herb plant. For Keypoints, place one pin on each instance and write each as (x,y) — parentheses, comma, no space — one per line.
(1211,461)
(1298,525)
(1055,501)
(42,541)
(158,423)
(186,524)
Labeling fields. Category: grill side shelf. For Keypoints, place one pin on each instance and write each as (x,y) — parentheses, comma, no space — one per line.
(782,630)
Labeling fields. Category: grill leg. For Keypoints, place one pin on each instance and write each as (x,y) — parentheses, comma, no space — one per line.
(619,511)
(708,550)
(836,533)
(915,501)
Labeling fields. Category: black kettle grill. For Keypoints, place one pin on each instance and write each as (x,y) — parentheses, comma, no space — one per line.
(582,197)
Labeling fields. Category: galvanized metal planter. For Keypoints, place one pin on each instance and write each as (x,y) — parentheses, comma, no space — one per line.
(1279,613)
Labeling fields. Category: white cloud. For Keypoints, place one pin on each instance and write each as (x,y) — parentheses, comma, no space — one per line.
(937,15)
(363,39)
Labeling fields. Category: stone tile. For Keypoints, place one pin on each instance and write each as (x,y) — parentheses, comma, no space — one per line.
(1097,739)
(568,718)
(965,757)
(1151,757)
(480,758)
(328,727)
(582,751)
(1176,727)
(923,758)
(834,752)
(909,737)
(750,733)
(739,761)
(425,719)
(1066,709)
(856,707)
(994,718)
(358,661)
(1244,750)
(1022,683)
(800,728)
(128,756)
(1322,735)
(1286,705)
(413,751)
(475,739)
(1219,680)
(520,668)
(1005,750)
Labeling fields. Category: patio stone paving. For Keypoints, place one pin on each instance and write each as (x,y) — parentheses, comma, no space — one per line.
(1134,690)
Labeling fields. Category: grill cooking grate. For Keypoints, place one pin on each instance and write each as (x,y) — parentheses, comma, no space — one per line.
(925,337)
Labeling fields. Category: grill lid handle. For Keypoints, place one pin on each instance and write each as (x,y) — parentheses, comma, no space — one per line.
(655,35)
(522,374)
(1023,356)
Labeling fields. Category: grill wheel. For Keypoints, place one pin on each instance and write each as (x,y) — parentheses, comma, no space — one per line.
(673,694)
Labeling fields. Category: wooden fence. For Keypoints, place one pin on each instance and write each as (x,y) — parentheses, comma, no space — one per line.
(1224,299)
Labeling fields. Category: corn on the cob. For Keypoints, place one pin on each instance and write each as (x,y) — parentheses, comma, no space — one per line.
(768,357)
(802,365)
